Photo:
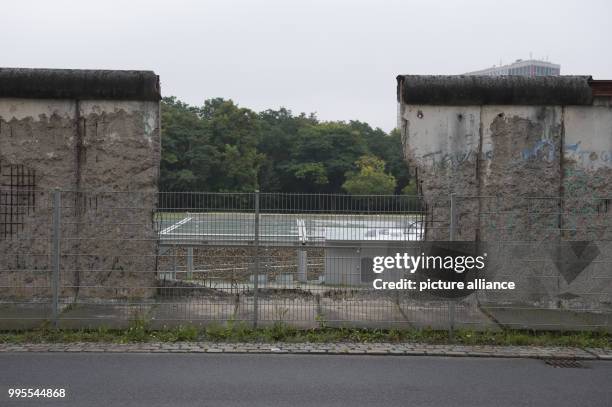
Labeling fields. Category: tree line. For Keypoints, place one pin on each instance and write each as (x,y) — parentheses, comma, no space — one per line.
(221,147)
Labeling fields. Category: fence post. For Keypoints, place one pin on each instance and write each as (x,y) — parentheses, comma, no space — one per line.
(302,264)
(256,265)
(453,217)
(190,263)
(452,237)
(55,276)
(174,255)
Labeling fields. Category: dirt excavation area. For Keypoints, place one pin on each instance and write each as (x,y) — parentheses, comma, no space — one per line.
(237,263)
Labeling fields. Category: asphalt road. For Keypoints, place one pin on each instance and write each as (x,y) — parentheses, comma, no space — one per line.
(296,380)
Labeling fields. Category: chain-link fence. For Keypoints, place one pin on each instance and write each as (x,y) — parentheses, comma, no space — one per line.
(79,259)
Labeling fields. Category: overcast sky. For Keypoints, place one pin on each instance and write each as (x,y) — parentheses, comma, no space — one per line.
(336,58)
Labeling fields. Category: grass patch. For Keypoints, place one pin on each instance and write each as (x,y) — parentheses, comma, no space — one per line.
(139,331)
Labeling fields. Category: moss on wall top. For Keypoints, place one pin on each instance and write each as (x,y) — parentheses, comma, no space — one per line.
(461,90)
(79,84)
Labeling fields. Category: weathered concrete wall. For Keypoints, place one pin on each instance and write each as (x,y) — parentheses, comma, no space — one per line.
(93,145)
(443,143)
(502,144)
(587,170)
(91,134)
(521,157)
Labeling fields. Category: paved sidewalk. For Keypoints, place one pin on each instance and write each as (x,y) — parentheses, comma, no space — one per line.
(396,349)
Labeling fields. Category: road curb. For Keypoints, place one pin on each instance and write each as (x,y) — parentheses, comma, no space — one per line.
(369,349)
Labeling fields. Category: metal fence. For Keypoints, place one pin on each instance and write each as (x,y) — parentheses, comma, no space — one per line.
(86,259)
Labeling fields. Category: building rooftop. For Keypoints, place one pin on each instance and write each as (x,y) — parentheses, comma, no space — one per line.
(507,69)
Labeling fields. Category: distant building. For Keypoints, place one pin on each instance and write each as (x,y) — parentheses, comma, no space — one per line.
(530,67)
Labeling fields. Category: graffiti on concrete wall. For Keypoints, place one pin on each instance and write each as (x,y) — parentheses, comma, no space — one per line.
(439,160)
(542,150)
(588,158)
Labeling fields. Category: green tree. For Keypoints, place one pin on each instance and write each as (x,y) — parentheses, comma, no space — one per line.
(313,173)
(212,148)
(233,132)
(239,171)
(223,147)
(370,178)
(334,146)
(188,156)
(278,131)
(388,147)
(410,189)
